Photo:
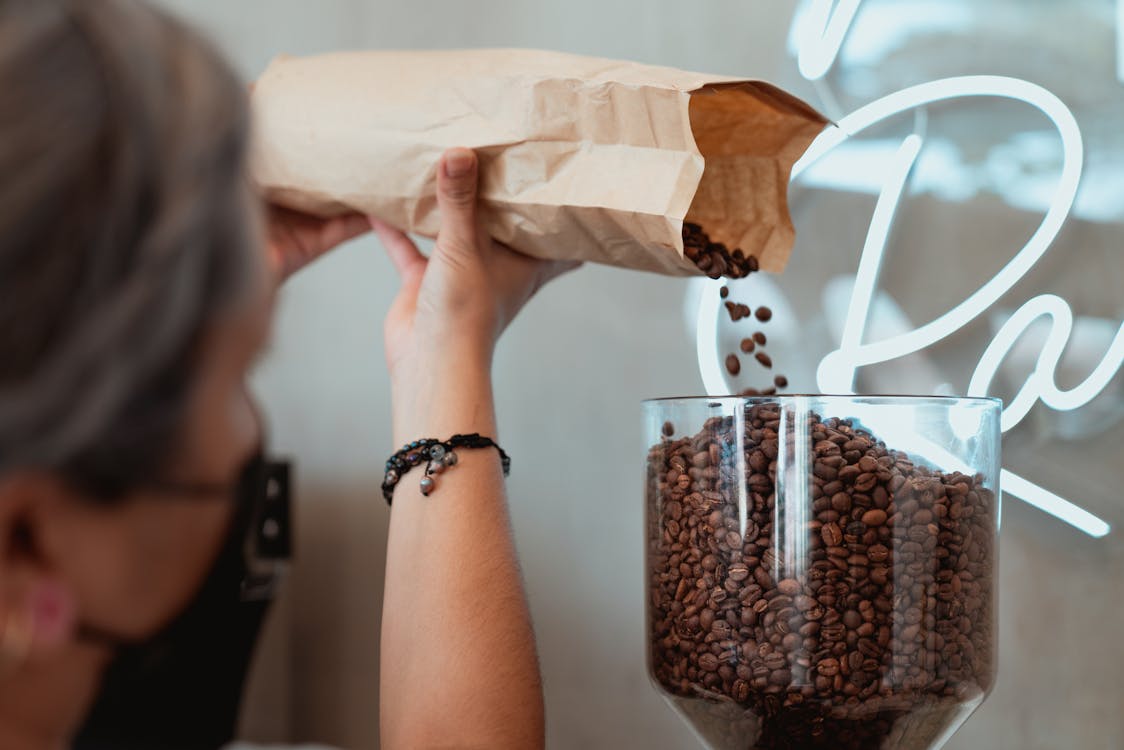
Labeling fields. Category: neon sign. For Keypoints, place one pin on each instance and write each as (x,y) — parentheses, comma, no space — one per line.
(1120,40)
(819,32)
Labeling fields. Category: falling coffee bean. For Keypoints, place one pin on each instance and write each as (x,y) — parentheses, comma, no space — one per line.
(760,338)
(724,292)
(765,360)
(764,314)
(748,346)
(780,381)
(668,429)
(733,364)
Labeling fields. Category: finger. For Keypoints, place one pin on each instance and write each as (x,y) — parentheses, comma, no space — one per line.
(403,253)
(554,269)
(544,270)
(456,201)
(341,229)
(548,271)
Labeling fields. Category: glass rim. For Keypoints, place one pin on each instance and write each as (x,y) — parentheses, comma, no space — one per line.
(872,399)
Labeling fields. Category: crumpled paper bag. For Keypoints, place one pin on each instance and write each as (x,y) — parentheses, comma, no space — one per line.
(580,158)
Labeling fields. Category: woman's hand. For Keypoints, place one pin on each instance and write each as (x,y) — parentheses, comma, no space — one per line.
(453,307)
(440,335)
(295,239)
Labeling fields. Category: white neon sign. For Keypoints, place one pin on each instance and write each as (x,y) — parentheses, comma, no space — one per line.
(820,35)
(819,32)
(1120,40)
(870,262)
(1041,385)
(917,97)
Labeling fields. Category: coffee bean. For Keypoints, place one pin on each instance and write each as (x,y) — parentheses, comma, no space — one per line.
(874,517)
(774,661)
(869,648)
(724,292)
(668,429)
(760,339)
(828,667)
(748,346)
(780,381)
(832,534)
(763,314)
(780,677)
(865,482)
(733,365)
(789,587)
(763,578)
(777,603)
(708,662)
(765,360)
(738,572)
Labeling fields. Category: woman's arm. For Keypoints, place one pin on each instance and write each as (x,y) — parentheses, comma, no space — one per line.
(458,661)
(459,668)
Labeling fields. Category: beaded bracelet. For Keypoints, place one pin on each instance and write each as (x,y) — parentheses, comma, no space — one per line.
(438,456)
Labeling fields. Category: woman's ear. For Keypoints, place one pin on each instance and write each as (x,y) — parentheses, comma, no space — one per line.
(37,608)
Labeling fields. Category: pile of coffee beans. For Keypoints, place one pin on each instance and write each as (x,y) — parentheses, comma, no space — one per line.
(868,625)
(713,258)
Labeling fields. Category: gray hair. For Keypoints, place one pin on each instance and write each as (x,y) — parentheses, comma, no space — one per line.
(124,231)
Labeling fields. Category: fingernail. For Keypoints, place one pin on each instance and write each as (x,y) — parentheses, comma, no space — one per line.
(458,162)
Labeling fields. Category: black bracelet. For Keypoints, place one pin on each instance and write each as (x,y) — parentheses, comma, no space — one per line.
(438,455)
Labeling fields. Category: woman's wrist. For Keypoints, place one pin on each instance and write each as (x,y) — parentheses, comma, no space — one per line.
(441,396)
(447,348)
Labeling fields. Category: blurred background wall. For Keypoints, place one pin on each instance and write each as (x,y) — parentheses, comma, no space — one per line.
(571,372)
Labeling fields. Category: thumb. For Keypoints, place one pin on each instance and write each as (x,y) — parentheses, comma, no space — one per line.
(456,201)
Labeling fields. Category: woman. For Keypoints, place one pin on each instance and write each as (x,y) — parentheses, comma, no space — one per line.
(137,272)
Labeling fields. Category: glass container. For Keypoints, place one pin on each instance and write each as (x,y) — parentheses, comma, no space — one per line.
(820,569)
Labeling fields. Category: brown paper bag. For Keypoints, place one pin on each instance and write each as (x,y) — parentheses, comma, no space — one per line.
(581,158)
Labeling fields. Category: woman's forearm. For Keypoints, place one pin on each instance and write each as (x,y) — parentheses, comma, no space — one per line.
(459,667)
